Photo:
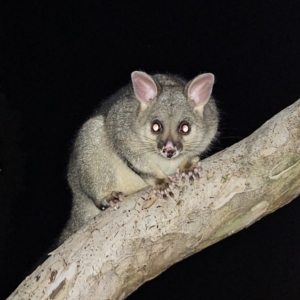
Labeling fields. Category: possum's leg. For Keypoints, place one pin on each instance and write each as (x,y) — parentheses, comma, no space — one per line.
(163,187)
(162,184)
(111,201)
(189,170)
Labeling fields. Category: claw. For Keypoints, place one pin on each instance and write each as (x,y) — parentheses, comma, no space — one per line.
(118,196)
(175,186)
(191,178)
(196,173)
(198,167)
(183,177)
(157,193)
(113,204)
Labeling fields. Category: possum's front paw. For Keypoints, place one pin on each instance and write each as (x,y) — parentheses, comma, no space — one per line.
(112,200)
(163,187)
(189,171)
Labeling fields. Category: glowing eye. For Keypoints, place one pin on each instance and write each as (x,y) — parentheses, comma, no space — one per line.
(184,128)
(156,127)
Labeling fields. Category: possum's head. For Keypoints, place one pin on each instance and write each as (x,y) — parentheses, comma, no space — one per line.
(174,117)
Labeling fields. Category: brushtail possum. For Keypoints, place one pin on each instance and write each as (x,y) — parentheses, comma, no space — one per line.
(138,137)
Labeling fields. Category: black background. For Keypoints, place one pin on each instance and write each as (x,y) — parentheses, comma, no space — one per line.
(58,60)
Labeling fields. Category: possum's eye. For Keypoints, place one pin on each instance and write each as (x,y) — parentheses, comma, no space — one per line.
(156,127)
(184,128)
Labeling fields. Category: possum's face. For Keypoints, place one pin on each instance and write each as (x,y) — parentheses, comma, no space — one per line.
(173,132)
(169,142)
(172,115)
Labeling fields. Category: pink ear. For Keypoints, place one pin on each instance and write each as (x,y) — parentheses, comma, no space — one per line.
(144,86)
(200,89)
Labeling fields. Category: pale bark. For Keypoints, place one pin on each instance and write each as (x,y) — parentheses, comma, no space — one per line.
(115,253)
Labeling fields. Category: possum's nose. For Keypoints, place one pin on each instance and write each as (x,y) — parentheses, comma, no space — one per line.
(169,150)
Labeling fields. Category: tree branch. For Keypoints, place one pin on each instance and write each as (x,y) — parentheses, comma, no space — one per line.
(115,253)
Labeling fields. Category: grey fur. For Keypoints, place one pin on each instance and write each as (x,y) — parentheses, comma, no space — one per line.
(115,149)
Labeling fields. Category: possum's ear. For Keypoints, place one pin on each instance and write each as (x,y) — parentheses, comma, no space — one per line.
(144,87)
(199,90)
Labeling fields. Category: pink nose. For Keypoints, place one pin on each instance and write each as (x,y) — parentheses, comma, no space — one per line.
(169,152)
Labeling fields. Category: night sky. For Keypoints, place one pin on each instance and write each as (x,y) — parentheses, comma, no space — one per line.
(59,60)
